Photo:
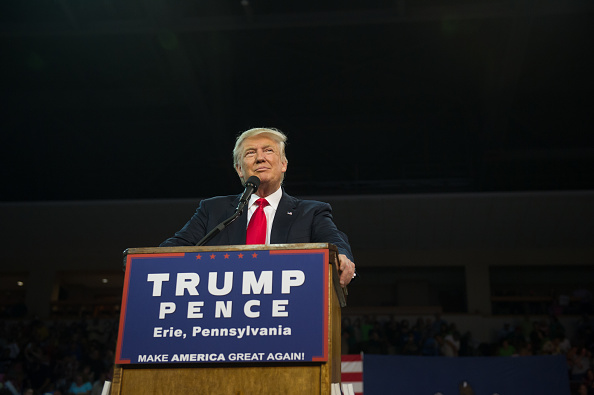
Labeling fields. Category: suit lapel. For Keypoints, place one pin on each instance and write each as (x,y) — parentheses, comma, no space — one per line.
(283,219)
(238,227)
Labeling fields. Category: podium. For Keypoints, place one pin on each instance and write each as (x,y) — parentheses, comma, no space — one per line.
(230,320)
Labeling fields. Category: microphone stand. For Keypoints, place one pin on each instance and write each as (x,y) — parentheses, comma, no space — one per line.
(217,229)
(251,186)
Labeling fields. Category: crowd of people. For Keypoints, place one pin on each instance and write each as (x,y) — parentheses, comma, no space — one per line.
(425,337)
(56,357)
(437,337)
(61,357)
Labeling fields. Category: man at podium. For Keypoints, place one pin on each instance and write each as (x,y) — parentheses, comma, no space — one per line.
(272,216)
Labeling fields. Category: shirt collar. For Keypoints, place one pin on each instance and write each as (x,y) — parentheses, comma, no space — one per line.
(273,200)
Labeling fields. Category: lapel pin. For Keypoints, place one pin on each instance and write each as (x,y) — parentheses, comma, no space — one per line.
(289,212)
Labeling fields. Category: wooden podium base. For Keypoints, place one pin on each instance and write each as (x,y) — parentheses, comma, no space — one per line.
(237,380)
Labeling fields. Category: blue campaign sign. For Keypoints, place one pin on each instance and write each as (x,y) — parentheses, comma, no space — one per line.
(225,306)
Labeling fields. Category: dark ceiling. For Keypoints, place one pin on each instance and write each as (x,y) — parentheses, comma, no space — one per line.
(122,99)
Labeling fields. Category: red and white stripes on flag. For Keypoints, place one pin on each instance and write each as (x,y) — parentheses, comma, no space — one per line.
(352,371)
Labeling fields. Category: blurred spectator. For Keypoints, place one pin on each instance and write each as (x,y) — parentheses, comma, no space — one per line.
(580,364)
(525,327)
(584,296)
(451,345)
(350,337)
(465,388)
(506,349)
(564,345)
(436,326)
(12,385)
(505,332)
(357,331)
(410,346)
(344,344)
(392,333)
(80,385)
(431,346)
(366,328)
(525,349)
(584,336)
(588,380)
(99,383)
(537,336)
(556,329)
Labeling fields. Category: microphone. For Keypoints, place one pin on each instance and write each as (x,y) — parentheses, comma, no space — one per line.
(251,186)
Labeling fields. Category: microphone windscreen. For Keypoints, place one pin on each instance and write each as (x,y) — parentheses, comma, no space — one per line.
(254,181)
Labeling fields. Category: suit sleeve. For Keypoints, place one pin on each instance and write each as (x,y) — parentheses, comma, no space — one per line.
(325,231)
(192,232)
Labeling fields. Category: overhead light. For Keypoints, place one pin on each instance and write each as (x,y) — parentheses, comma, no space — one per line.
(20,283)
(104,281)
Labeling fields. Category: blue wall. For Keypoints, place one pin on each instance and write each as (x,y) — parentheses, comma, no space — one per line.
(537,375)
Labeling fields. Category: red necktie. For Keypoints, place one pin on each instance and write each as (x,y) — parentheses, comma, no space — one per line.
(256,230)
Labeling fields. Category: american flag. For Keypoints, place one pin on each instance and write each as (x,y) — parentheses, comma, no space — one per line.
(352,371)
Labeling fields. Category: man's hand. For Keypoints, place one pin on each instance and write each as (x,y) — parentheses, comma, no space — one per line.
(346,270)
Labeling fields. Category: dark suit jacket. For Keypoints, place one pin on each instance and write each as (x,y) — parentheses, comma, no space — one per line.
(295,221)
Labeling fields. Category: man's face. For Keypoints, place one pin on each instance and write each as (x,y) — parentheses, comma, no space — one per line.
(261,157)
